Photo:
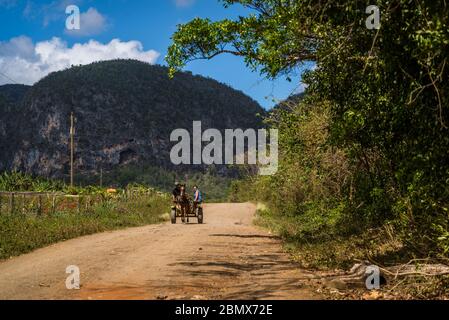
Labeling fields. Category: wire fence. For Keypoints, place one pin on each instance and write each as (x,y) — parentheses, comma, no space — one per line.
(40,204)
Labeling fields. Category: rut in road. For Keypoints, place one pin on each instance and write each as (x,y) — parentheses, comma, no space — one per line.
(225,258)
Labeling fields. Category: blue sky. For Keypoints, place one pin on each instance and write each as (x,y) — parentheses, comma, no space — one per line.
(34,40)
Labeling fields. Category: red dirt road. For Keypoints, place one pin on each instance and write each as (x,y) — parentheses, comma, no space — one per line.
(225,258)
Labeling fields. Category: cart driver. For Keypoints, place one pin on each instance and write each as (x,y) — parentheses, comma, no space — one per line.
(176,191)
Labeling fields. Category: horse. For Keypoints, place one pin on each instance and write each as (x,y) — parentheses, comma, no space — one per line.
(183,203)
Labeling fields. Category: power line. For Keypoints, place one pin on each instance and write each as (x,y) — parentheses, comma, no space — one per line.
(8,77)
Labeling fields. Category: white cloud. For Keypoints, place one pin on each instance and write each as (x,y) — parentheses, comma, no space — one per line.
(26,62)
(21,47)
(184,3)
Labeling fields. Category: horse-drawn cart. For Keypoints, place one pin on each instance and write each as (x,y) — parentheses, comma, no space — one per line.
(184,208)
(191,211)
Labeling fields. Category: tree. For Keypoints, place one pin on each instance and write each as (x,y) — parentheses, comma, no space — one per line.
(387,89)
(273,38)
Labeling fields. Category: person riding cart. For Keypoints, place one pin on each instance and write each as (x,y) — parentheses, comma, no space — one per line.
(197,197)
(184,207)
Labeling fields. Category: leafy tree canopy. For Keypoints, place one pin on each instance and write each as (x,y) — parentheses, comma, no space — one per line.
(274,38)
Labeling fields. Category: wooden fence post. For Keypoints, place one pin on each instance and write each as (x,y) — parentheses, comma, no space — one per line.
(39,205)
(53,204)
(22,204)
(11,202)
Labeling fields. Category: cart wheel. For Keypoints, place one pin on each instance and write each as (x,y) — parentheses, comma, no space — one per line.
(173,216)
(200,215)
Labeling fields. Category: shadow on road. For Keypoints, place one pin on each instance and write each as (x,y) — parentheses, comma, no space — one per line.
(245,236)
(250,276)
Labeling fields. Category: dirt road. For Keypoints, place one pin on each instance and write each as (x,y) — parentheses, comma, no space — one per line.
(225,258)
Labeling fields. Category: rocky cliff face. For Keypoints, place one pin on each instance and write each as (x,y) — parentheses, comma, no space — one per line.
(10,98)
(125,112)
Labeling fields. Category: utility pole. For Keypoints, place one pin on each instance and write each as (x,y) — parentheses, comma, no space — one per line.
(72,133)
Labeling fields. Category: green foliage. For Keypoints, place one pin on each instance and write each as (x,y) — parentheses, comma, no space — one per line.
(388,95)
(17,181)
(273,40)
(381,154)
(213,186)
(21,182)
(311,186)
(13,92)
